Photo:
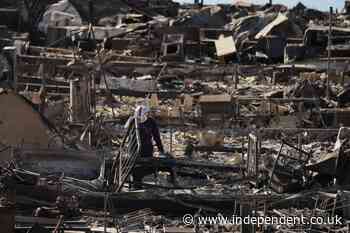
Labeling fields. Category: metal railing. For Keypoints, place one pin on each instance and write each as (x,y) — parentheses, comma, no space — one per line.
(127,155)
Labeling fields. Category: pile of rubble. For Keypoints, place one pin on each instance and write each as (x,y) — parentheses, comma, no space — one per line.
(252,104)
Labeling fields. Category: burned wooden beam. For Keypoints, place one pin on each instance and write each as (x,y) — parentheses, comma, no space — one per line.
(169,163)
(218,149)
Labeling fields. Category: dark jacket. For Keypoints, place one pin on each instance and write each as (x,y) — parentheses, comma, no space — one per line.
(148,131)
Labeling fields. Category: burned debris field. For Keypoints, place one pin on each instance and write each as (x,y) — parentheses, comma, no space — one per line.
(153,116)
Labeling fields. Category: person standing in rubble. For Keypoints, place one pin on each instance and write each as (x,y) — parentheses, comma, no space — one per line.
(149,132)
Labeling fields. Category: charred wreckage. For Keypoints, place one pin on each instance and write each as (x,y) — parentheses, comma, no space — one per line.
(248,106)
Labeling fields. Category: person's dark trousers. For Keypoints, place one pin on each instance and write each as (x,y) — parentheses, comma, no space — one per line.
(140,172)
